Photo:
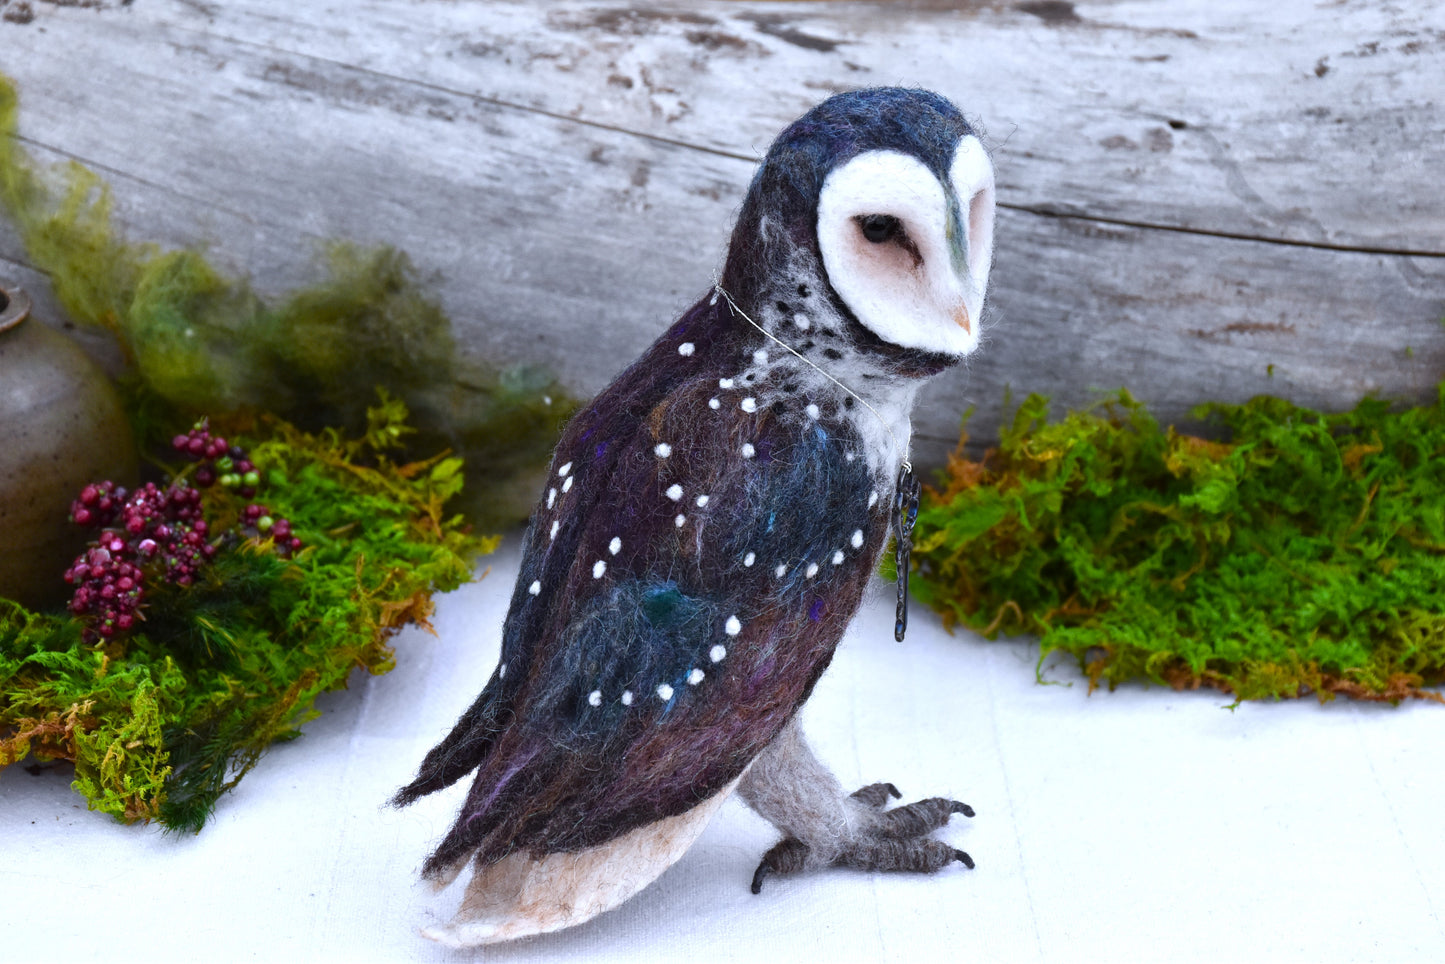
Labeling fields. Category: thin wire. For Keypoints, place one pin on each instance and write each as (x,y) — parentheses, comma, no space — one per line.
(717,286)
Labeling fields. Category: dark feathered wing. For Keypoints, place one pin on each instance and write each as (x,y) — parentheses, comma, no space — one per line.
(691,566)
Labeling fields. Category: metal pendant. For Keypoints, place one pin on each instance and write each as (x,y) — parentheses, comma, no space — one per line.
(905,514)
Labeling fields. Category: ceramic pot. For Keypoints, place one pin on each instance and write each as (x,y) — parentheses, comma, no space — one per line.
(61,426)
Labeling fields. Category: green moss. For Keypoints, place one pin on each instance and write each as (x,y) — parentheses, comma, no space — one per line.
(1306,554)
(161,725)
(203,343)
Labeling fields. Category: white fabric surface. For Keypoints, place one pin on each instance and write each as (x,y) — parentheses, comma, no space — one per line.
(1134,825)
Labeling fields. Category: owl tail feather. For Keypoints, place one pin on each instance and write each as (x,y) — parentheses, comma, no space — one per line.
(463,750)
(520,895)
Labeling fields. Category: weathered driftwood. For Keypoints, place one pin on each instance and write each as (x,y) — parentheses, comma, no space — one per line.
(1200,201)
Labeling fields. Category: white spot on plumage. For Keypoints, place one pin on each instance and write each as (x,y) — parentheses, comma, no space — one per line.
(724,383)
(695,677)
(802,322)
(748,450)
(749,404)
(551,497)
(701,501)
(594,698)
(849,456)
(679,520)
(686,348)
(717,653)
(857,539)
(664,692)
(838,557)
(535,587)
(872,498)
(812,570)
(564,470)
(662,450)
(733,626)
(598,568)
(555,526)
(812,411)
(674,492)
(780,571)
(714,404)
(760,357)
(750,558)
(627,697)
(567,483)
(615,546)
(502,671)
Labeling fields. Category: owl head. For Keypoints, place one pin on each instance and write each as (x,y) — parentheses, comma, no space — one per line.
(886,197)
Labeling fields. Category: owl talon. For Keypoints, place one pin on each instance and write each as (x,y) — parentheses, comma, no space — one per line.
(963,858)
(758,875)
(876,794)
(788,856)
(917,819)
(918,855)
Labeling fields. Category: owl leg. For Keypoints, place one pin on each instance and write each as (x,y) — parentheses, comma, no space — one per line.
(824,827)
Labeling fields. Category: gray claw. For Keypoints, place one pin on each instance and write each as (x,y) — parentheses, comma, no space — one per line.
(787,856)
(762,871)
(876,794)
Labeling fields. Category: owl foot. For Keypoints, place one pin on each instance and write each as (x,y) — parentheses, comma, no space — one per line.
(894,839)
(823,826)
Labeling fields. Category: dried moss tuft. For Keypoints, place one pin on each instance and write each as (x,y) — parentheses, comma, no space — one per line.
(204,343)
(1306,554)
(163,723)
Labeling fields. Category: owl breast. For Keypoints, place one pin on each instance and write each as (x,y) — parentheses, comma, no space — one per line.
(724,547)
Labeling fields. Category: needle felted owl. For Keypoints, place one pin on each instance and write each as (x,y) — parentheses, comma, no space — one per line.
(707,530)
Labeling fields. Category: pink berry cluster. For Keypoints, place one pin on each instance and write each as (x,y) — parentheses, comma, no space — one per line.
(109,590)
(159,532)
(220,461)
(258,517)
(148,528)
(229,466)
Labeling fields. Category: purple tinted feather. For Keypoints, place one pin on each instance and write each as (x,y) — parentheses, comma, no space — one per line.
(507,775)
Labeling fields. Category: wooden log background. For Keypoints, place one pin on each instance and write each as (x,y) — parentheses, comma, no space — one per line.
(1198,200)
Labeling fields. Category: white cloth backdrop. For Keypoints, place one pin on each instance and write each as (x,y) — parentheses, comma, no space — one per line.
(1136,825)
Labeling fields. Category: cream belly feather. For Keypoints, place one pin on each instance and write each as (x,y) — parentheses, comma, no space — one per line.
(519,895)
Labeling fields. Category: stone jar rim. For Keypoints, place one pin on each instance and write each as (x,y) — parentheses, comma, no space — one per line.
(14,307)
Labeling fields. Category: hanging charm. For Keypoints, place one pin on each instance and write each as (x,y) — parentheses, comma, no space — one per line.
(905,514)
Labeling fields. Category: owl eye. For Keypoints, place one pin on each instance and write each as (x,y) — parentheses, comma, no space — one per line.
(879,228)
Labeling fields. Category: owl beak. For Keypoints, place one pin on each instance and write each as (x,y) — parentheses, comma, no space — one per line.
(958,256)
(960,318)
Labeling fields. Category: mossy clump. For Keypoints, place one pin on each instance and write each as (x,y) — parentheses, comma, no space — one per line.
(1304,554)
(199,342)
(160,723)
